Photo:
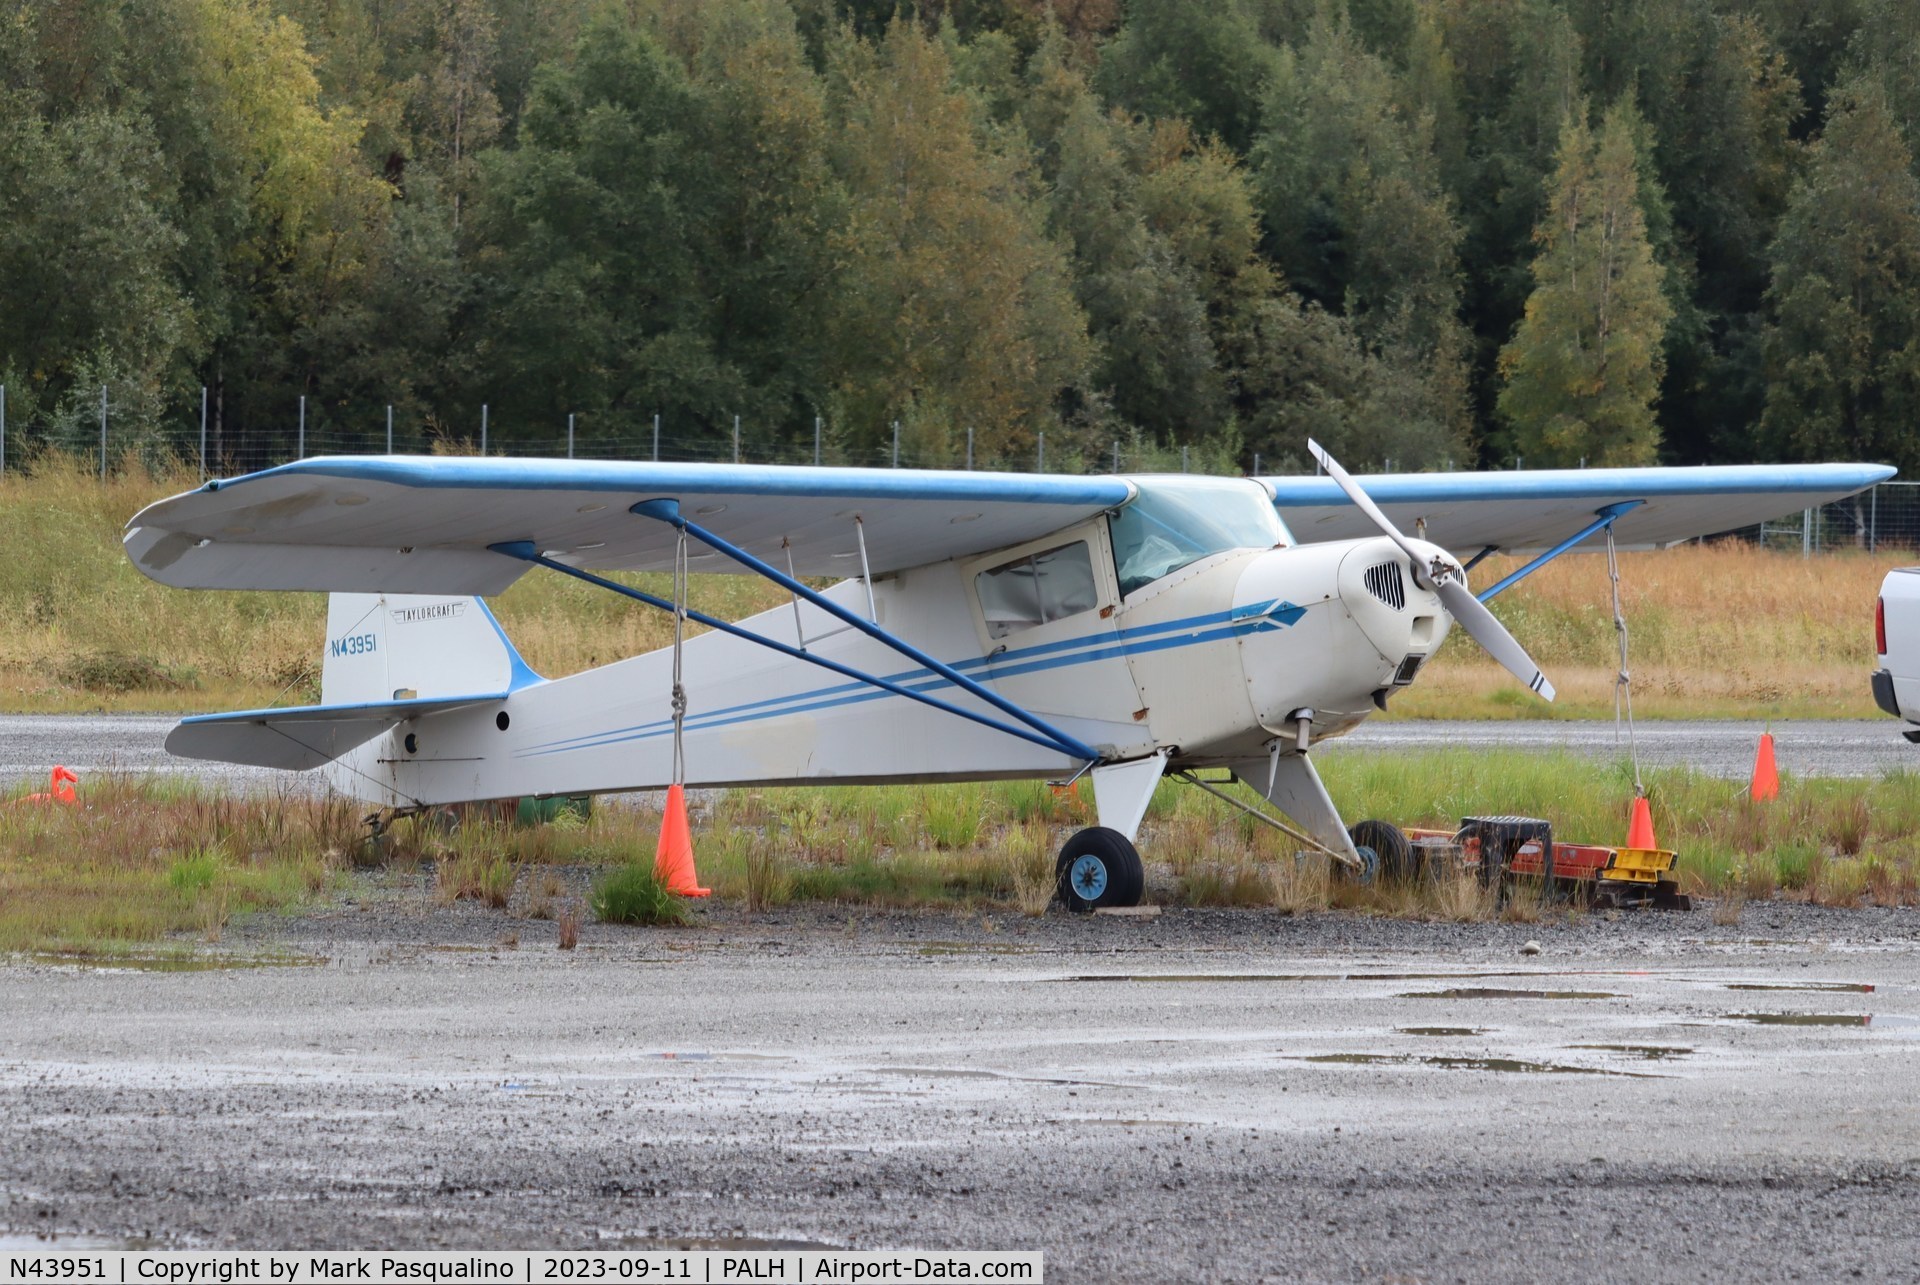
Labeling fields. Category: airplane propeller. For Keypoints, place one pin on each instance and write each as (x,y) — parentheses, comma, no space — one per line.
(1435,571)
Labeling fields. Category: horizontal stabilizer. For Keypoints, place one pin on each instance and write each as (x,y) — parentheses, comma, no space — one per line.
(302,736)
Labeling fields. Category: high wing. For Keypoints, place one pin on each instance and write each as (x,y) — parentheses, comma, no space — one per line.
(409,524)
(1531,510)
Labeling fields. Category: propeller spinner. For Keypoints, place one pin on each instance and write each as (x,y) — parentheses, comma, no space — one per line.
(1445,577)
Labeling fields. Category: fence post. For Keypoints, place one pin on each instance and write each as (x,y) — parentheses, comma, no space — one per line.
(1183,459)
(1256,463)
(3,430)
(1873,496)
(569,434)
(303,428)
(736,439)
(1806,533)
(656,437)
(969,450)
(483,428)
(203,437)
(1042,466)
(103,432)
(389,428)
(816,441)
(896,443)
(1116,455)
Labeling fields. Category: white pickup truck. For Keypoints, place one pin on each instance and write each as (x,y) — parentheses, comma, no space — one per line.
(1896,639)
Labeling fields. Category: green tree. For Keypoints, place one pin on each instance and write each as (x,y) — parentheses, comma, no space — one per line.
(658,240)
(954,309)
(1205,63)
(1583,370)
(1844,352)
(1351,197)
(454,101)
(1155,362)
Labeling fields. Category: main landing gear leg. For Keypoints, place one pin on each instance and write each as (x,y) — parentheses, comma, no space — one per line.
(1100,866)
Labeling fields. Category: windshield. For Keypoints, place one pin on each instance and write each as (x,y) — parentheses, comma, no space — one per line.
(1175,521)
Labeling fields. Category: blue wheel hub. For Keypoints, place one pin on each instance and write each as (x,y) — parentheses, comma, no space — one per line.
(1369,866)
(1088,877)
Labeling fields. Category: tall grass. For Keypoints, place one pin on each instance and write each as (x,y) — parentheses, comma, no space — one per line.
(143,859)
(140,859)
(1717,630)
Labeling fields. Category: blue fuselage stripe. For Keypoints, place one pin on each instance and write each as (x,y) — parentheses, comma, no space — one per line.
(1193,631)
(1004,665)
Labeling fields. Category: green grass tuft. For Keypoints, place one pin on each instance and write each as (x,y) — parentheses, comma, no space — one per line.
(633,894)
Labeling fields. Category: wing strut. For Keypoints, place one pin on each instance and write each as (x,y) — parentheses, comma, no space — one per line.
(1604,522)
(668,511)
(526,551)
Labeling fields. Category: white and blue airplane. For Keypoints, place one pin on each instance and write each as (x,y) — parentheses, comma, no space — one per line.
(983,625)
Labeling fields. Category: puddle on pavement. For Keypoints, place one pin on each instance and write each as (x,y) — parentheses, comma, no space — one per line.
(970,1073)
(1500,1064)
(1851,988)
(1323,977)
(1441,1030)
(717,1244)
(1645,1052)
(1801,1019)
(56,1243)
(170,963)
(1495,992)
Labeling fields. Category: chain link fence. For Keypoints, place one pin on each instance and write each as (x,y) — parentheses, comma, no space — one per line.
(1884,517)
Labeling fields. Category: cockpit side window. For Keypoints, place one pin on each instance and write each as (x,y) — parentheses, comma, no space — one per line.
(1176,521)
(1037,588)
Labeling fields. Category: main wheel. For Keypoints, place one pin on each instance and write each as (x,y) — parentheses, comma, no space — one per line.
(1390,847)
(1099,867)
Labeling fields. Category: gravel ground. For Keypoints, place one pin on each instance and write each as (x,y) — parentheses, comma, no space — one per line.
(1142,1099)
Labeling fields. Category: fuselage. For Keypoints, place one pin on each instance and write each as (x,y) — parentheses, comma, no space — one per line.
(1188,622)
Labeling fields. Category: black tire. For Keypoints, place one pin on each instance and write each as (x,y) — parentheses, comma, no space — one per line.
(1099,867)
(1390,845)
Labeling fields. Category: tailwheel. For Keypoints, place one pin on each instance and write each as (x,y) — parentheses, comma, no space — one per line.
(1393,856)
(1099,867)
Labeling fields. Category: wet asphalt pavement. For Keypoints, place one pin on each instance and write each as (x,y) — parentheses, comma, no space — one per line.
(1208,1096)
(30,744)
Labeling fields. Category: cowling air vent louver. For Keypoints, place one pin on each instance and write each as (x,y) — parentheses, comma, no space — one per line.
(1384,583)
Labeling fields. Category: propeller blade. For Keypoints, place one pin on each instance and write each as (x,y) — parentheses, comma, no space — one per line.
(1485,628)
(1448,582)
(1363,502)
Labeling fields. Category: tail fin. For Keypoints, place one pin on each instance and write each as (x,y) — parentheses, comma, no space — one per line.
(386,647)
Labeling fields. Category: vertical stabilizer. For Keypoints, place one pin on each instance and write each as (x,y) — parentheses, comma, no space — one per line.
(386,647)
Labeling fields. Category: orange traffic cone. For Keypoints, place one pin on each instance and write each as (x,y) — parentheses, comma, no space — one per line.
(1766,777)
(59,788)
(673,859)
(1640,829)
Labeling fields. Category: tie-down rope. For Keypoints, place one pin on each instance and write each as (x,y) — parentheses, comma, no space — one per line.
(1623,679)
(679,635)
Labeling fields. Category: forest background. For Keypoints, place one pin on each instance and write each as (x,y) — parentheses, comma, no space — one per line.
(1432,233)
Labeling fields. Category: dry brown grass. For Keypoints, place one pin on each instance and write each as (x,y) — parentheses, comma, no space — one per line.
(1717,629)
(141,859)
